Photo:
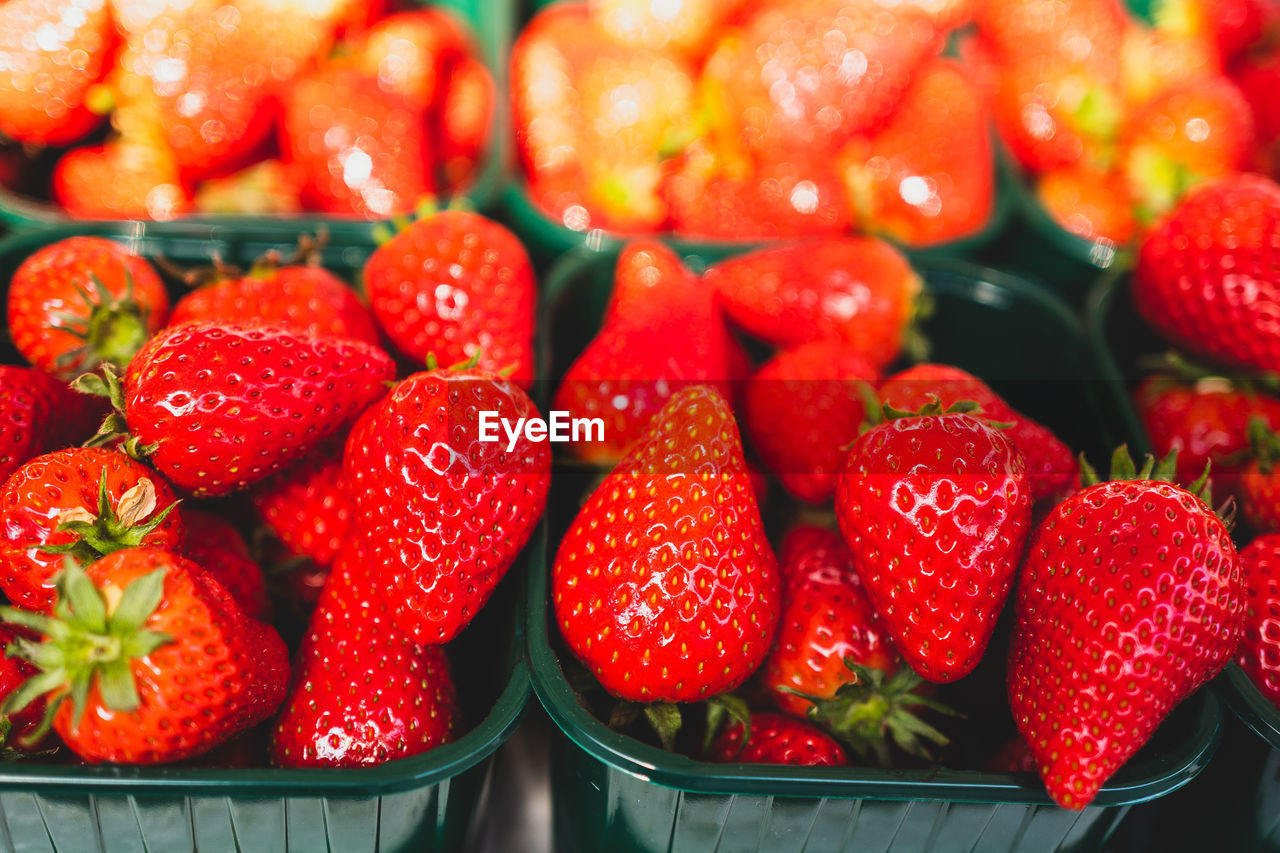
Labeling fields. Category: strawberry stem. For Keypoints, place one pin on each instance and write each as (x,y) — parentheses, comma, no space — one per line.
(113,329)
(113,528)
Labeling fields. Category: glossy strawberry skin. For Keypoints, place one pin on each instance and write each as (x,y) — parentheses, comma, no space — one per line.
(1205,275)
(45,285)
(228,405)
(214,544)
(307,298)
(1258,77)
(936,511)
(664,585)
(802,408)
(34,497)
(804,540)
(13,673)
(444,513)
(363,692)
(456,285)
(778,739)
(1132,588)
(466,121)
(306,505)
(241,665)
(1259,654)
(1089,203)
(40,414)
(858,288)
(410,54)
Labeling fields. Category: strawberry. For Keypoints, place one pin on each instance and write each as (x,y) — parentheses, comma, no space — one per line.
(130,639)
(466,120)
(804,541)
(1205,274)
(81,302)
(86,502)
(664,584)
(456,285)
(859,289)
(1052,469)
(410,54)
(215,545)
(1257,77)
(1154,61)
(444,511)
(1230,26)
(306,298)
(1259,653)
(217,407)
(363,692)
(803,407)
(267,187)
(306,506)
(25,724)
(935,508)
(1259,484)
(1184,136)
(1130,600)
(55,51)
(120,180)
(1014,756)
(687,27)
(1091,204)
(40,414)
(928,176)
(1088,32)
(777,739)
(661,332)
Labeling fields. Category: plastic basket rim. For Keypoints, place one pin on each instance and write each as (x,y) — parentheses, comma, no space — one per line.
(652,764)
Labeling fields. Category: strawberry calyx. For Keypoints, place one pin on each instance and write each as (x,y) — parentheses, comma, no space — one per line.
(306,253)
(1207,378)
(666,718)
(427,207)
(8,754)
(1264,442)
(1163,470)
(933,408)
(874,710)
(114,431)
(114,330)
(93,635)
(113,528)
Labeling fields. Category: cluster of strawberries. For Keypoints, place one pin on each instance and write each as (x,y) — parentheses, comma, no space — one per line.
(139,624)
(1116,119)
(730,120)
(249,106)
(1129,593)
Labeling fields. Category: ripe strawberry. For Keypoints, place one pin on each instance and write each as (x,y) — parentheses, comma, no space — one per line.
(121,179)
(664,584)
(85,502)
(803,408)
(410,54)
(1230,26)
(40,414)
(21,725)
(805,541)
(687,27)
(466,120)
(1258,77)
(55,51)
(1130,600)
(935,508)
(215,545)
(1089,203)
(458,286)
(1187,135)
(1259,484)
(131,638)
(306,506)
(227,405)
(1052,469)
(1014,756)
(306,298)
(443,511)
(363,692)
(928,176)
(1205,275)
(777,739)
(1088,32)
(1259,654)
(662,331)
(1154,61)
(859,289)
(83,301)
(266,187)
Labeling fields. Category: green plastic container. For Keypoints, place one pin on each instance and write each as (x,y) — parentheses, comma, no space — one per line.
(430,802)
(612,792)
(492,22)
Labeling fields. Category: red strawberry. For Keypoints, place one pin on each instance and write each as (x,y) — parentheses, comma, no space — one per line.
(1052,469)
(1259,484)
(267,187)
(1083,31)
(227,405)
(935,509)
(306,506)
(1258,78)
(664,585)
(662,331)
(1259,654)
(364,151)
(929,175)
(458,286)
(1231,26)
(687,27)
(215,545)
(133,636)
(857,288)
(85,502)
(82,301)
(776,739)
(444,511)
(466,119)
(1091,204)
(803,408)
(55,51)
(1013,757)
(1152,61)
(306,298)
(804,540)
(1205,277)
(1130,600)
(363,692)
(21,725)
(40,414)
(410,54)
(120,180)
